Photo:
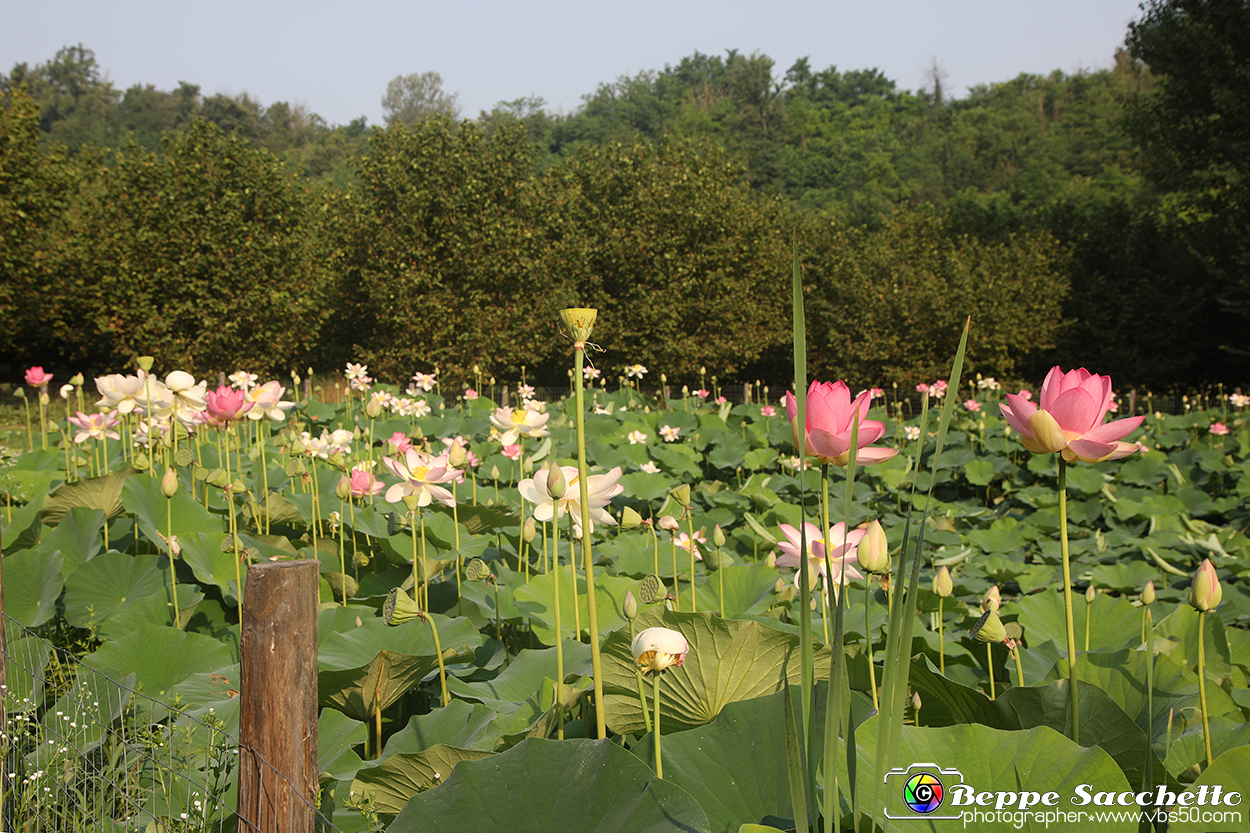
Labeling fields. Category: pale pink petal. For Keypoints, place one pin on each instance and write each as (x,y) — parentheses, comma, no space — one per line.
(874,454)
(1017,412)
(1091,450)
(1075,410)
(870,430)
(1117,429)
(827,444)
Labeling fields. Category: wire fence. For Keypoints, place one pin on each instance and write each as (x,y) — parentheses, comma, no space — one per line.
(83,751)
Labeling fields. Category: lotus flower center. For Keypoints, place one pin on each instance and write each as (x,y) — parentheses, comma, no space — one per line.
(420,472)
(518,417)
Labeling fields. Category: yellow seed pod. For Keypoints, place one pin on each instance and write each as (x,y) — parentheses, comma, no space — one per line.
(580,322)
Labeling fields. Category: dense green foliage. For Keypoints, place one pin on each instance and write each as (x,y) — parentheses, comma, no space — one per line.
(1114,201)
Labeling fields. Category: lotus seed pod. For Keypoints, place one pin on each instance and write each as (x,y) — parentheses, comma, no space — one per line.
(873,552)
(1014,630)
(169,483)
(668,522)
(989,628)
(399,608)
(529,530)
(343,490)
(412,502)
(1205,593)
(718,536)
(630,607)
(992,600)
(145,363)
(20,393)
(942,583)
(580,322)
(651,590)
(76,380)
(1148,593)
(682,495)
(630,518)
(476,570)
(557,485)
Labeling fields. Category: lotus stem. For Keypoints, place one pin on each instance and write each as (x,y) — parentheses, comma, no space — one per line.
(438,649)
(30,436)
(342,551)
(1015,653)
(583,477)
(577,607)
(989,663)
(720,575)
(1202,683)
(659,764)
(676,586)
(173,579)
(694,601)
(642,691)
(941,640)
(1067,595)
(555,574)
(872,670)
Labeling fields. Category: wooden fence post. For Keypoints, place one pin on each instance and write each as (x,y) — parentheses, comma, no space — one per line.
(278,699)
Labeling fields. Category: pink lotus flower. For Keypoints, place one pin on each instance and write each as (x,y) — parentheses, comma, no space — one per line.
(720,400)
(922,388)
(420,475)
(1025,394)
(1219,429)
(95,426)
(682,542)
(401,442)
(768,411)
(36,378)
(363,483)
(636,437)
(1070,418)
(829,417)
(519,422)
(670,433)
(227,403)
(469,394)
(972,405)
(513,451)
(702,394)
(843,557)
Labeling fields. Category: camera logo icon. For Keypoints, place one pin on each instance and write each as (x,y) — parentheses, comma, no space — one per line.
(920,791)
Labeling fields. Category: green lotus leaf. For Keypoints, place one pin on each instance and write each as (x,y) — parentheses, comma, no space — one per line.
(1231,772)
(392,783)
(729,660)
(1116,623)
(537,600)
(103,493)
(32,584)
(142,496)
(337,735)
(79,537)
(545,786)
(524,676)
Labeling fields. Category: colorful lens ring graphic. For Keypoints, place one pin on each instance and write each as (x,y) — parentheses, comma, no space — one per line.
(923,793)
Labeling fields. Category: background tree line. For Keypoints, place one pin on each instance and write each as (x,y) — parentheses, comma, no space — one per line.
(1096,218)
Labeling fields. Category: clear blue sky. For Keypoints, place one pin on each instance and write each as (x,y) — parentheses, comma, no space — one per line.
(337,58)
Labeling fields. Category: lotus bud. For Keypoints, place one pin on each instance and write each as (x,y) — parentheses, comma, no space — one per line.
(556,483)
(76,380)
(915,700)
(169,483)
(145,363)
(780,586)
(412,501)
(771,559)
(873,552)
(44,399)
(1205,593)
(400,608)
(989,628)
(630,607)
(1090,594)
(295,380)
(529,530)
(580,323)
(663,377)
(457,456)
(1148,593)
(942,584)
(718,536)
(494,472)
(682,495)
(992,600)
(343,491)
(373,408)
(476,570)
(630,518)
(669,523)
